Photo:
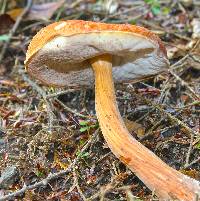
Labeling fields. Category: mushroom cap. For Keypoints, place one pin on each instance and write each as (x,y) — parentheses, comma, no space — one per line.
(59,54)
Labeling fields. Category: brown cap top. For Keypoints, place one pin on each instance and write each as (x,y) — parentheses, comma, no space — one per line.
(58,54)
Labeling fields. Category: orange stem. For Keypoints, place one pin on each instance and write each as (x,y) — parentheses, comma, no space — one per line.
(166,182)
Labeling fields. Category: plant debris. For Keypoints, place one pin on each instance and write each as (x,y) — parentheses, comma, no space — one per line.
(51,147)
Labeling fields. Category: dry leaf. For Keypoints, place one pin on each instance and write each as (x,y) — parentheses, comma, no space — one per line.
(6,22)
(15,13)
(44,11)
(58,162)
(38,11)
(176,51)
(134,127)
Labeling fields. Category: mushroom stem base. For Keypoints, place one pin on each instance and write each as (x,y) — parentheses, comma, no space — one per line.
(166,182)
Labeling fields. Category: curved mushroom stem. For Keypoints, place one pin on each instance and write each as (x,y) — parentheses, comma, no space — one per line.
(166,182)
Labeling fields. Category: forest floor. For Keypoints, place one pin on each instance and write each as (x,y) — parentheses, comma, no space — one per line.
(47,130)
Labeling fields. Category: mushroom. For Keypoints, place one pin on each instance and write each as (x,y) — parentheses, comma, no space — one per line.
(73,53)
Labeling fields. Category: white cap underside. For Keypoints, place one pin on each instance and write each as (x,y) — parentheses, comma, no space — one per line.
(64,60)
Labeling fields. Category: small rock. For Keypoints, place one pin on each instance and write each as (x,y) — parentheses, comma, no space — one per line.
(9,176)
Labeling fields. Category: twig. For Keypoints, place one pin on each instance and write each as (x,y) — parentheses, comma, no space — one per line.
(70,110)
(14,28)
(156,132)
(122,12)
(43,94)
(76,185)
(109,187)
(46,97)
(145,115)
(189,151)
(185,84)
(192,163)
(60,93)
(101,194)
(76,3)
(35,86)
(130,19)
(175,66)
(188,105)
(3,7)
(169,80)
(182,60)
(179,122)
(172,118)
(145,22)
(179,62)
(50,177)
(150,131)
